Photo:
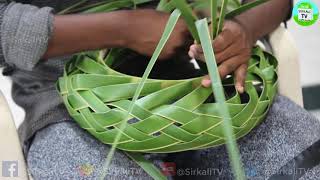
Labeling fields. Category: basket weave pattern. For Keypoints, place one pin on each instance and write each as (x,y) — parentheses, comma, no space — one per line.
(170,115)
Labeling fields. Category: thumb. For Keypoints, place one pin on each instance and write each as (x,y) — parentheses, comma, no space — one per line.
(206,82)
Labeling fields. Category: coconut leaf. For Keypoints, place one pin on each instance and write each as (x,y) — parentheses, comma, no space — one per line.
(111,6)
(204,4)
(222,16)
(237,2)
(103,6)
(162,4)
(97,97)
(166,34)
(244,8)
(65,11)
(91,5)
(147,166)
(218,90)
(214,11)
(188,16)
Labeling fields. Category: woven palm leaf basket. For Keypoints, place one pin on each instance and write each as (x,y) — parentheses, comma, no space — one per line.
(167,115)
(172,115)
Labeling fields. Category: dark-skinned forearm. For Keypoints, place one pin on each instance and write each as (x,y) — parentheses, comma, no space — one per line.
(263,19)
(76,33)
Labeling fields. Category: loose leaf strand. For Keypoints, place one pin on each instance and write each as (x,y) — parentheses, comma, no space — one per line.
(217,88)
(222,16)
(214,9)
(166,34)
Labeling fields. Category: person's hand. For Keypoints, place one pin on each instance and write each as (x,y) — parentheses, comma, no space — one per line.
(232,50)
(145,29)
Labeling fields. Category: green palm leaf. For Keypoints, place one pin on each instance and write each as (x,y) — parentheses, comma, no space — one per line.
(217,88)
(214,11)
(147,166)
(244,8)
(72,7)
(169,115)
(110,6)
(166,34)
(188,15)
(222,16)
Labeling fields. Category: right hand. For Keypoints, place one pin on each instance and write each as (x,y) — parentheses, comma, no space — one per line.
(145,29)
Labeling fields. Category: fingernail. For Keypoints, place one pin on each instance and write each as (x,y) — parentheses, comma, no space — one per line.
(193,47)
(191,54)
(206,82)
(240,89)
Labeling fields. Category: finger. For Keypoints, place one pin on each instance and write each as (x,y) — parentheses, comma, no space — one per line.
(235,49)
(191,54)
(225,69)
(192,51)
(240,75)
(223,40)
(196,48)
(196,52)
(200,57)
(206,82)
(230,65)
(227,53)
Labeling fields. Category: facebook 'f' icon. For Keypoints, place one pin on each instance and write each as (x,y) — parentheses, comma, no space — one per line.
(10,168)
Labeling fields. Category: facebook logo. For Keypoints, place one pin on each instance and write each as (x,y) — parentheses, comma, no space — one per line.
(9,168)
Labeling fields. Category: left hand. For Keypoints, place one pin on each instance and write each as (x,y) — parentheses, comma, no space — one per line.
(232,49)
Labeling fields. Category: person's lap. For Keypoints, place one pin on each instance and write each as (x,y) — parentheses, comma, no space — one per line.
(64,150)
(287,130)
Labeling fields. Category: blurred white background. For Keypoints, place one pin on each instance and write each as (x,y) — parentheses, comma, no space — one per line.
(307,40)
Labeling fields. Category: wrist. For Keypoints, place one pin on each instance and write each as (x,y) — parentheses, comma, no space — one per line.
(116,28)
(132,27)
(129,27)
